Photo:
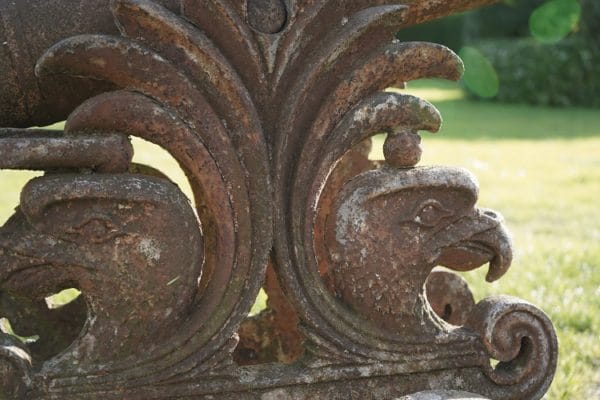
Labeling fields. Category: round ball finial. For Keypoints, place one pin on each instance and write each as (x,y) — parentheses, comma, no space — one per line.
(402,149)
(266,16)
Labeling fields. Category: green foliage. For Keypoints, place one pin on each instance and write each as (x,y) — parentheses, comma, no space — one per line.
(547,69)
(590,22)
(561,74)
(480,76)
(447,31)
(508,19)
(547,20)
(554,20)
(502,60)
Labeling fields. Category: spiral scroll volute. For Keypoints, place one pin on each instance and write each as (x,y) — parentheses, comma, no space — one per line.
(522,338)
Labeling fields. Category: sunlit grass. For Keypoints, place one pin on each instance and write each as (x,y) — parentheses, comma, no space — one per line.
(144,153)
(62,298)
(5,327)
(540,167)
(150,154)
(11,183)
(441,91)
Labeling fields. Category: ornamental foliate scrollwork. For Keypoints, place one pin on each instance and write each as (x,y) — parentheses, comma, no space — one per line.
(268,106)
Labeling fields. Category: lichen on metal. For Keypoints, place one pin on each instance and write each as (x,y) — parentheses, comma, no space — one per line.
(268,106)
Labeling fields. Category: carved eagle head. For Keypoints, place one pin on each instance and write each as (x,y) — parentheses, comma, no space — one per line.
(130,243)
(390,227)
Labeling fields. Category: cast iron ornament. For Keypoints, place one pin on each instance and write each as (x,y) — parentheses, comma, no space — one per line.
(268,106)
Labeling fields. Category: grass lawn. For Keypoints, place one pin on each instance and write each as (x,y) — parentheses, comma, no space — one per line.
(540,167)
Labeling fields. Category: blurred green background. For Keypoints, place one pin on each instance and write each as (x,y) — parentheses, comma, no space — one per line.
(542,52)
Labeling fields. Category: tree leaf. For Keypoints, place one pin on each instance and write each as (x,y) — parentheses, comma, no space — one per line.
(554,20)
(480,76)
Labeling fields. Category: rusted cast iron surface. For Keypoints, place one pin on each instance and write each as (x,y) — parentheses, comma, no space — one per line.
(441,395)
(268,106)
(449,296)
(29,27)
(272,335)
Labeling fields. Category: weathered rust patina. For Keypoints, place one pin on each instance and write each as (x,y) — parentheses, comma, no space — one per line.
(268,106)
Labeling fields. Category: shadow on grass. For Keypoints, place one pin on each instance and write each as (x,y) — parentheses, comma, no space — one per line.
(471,119)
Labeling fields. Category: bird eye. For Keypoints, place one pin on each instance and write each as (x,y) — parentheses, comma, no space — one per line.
(430,212)
(96,230)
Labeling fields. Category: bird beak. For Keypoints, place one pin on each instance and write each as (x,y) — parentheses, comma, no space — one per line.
(474,240)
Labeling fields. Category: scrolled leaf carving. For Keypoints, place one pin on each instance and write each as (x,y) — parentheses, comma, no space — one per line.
(211,128)
(325,127)
(521,337)
(264,104)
